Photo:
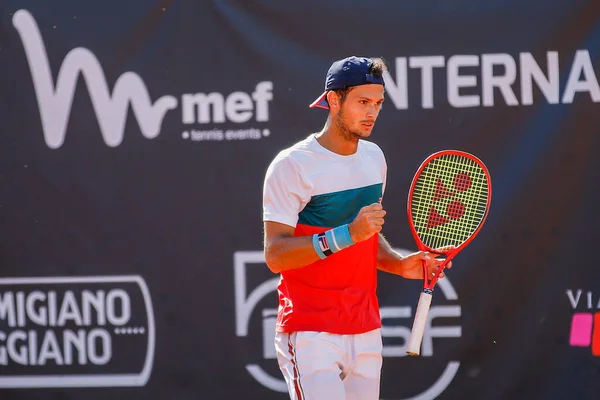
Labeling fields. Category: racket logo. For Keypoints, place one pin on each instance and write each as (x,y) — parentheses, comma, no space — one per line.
(455,209)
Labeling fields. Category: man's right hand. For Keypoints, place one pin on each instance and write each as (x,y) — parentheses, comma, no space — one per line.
(368,222)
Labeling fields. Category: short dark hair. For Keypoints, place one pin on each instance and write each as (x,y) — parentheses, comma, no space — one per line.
(377,68)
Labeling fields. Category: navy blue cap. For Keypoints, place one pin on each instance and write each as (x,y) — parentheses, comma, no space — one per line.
(350,71)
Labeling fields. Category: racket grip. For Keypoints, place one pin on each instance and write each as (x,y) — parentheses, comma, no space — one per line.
(413,347)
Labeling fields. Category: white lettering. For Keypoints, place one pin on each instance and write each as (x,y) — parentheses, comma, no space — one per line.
(582,63)
(38,317)
(456,81)
(215,134)
(33,347)
(21,309)
(238,107)
(574,300)
(94,354)
(243,134)
(90,300)
(78,341)
(50,350)
(502,82)
(439,331)
(262,95)
(498,75)
(69,310)
(3,352)
(397,91)
(18,355)
(395,331)
(43,309)
(530,71)
(451,311)
(426,64)
(111,309)
(196,108)
(21,347)
(7,309)
(52,308)
(589,299)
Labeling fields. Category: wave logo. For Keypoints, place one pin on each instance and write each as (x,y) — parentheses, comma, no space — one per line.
(56,99)
(251,289)
(585,326)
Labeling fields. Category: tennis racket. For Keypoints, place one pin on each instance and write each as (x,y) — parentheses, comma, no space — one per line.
(448,203)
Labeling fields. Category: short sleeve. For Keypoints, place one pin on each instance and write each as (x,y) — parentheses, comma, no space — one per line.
(383,173)
(285,192)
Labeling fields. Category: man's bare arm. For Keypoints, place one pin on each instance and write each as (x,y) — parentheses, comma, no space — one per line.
(284,251)
(388,259)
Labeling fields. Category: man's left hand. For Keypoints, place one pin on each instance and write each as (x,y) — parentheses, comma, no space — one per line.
(412,267)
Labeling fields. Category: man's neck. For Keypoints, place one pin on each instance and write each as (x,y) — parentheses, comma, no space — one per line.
(333,140)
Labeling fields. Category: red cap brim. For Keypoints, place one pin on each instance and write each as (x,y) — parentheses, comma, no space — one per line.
(321,101)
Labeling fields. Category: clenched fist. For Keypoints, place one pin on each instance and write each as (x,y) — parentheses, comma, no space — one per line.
(368,222)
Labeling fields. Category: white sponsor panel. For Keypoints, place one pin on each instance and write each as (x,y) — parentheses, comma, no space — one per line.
(247,299)
(75,332)
(471,80)
(202,113)
(521,75)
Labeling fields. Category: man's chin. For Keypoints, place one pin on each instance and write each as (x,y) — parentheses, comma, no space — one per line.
(363,133)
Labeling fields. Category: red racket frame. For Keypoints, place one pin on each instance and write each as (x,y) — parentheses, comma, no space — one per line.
(429,283)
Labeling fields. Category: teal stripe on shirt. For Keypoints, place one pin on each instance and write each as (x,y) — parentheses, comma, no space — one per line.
(333,209)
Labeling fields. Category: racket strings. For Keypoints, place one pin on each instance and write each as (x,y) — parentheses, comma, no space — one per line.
(457,232)
(449,200)
(454,232)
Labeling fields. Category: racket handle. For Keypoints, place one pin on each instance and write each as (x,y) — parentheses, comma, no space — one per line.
(413,347)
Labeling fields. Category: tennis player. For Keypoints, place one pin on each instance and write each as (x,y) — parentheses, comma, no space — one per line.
(322,217)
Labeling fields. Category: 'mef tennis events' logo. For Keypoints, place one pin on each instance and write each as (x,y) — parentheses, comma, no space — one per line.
(255,290)
(55,99)
(585,326)
(75,332)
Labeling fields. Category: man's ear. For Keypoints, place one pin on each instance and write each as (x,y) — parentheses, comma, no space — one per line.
(333,99)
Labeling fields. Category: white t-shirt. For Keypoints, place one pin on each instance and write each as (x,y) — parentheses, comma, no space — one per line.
(308,172)
(313,189)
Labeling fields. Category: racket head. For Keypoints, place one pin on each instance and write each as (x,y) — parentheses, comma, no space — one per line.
(448,201)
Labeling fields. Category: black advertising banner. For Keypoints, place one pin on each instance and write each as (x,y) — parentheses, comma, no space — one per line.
(135,139)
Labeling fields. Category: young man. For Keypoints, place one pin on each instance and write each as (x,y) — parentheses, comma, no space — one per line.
(322,217)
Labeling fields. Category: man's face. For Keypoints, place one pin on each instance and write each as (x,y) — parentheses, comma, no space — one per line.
(356,116)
